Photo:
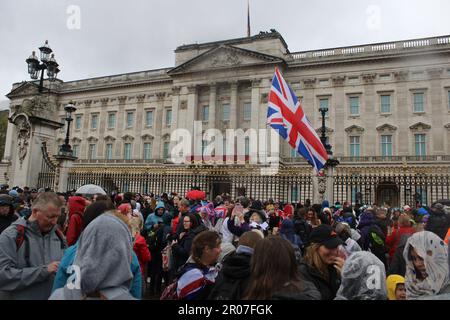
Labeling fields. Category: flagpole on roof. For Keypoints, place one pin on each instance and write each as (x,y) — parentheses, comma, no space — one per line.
(248,19)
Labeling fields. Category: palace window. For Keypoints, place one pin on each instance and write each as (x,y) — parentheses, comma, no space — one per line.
(78,122)
(247,111)
(111,120)
(385,101)
(92,151)
(109,153)
(386,145)
(75,150)
(147,151)
(354,146)
(354,106)
(247,146)
(166,149)
(419,98)
(226,112)
(94,121)
(324,103)
(127,151)
(420,145)
(130,119)
(448,100)
(205,113)
(168,117)
(204,145)
(149,118)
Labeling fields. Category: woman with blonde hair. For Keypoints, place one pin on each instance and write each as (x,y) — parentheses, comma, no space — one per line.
(139,244)
(322,263)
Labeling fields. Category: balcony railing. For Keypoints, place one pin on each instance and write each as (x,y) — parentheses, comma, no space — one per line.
(377,48)
(369,159)
(246,160)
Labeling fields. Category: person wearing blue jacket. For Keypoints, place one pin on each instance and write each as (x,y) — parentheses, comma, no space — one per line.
(155,219)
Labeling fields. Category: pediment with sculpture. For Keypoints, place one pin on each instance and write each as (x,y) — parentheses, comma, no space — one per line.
(224,56)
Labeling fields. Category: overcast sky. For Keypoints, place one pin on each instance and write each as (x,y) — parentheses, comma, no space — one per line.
(111,36)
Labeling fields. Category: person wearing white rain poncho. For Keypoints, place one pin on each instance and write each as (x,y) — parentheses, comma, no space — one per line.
(427,269)
(363,277)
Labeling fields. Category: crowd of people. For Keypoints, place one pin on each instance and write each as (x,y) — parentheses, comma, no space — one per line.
(130,246)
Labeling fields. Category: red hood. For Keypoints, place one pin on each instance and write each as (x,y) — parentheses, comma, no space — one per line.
(76,205)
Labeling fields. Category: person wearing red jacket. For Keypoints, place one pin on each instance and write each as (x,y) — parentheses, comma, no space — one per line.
(76,206)
(288,211)
(140,245)
(404,228)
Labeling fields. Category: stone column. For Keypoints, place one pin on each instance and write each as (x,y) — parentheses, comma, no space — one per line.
(86,128)
(212,105)
(175,106)
(159,125)
(190,117)
(317,196)
(329,193)
(338,105)
(400,108)
(138,145)
(233,105)
(8,142)
(120,123)
(254,123)
(103,118)
(65,163)
(369,147)
(433,107)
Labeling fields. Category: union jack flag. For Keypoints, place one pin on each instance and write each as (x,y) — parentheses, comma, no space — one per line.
(285,114)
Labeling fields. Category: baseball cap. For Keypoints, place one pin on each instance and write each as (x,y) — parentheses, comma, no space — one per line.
(325,235)
(406,208)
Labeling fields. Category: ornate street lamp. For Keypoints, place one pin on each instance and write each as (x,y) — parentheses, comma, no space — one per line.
(331,162)
(66,149)
(47,63)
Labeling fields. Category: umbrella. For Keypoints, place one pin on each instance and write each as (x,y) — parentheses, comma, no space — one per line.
(90,189)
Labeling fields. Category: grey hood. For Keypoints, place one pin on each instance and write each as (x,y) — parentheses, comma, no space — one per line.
(363,278)
(103,256)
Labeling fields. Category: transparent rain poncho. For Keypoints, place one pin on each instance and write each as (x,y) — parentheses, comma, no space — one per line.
(433,250)
(363,278)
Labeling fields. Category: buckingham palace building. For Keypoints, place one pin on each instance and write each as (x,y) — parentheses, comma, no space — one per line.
(388,122)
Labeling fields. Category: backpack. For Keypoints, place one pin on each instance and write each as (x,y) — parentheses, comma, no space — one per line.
(167,258)
(377,243)
(152,240)
(170,292)
(21,238)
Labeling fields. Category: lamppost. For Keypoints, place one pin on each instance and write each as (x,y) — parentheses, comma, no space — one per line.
(48,63)
(331,162)
(325,180)
(66,149)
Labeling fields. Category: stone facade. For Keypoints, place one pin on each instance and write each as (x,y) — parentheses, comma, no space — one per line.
(388,103)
